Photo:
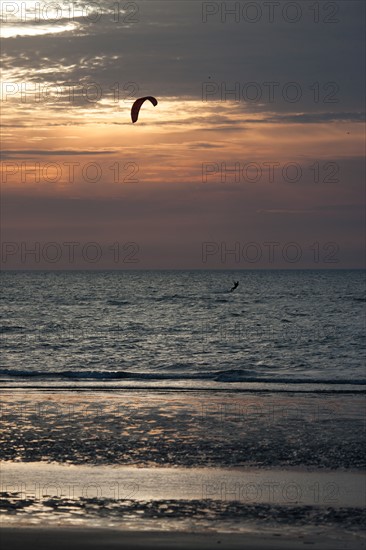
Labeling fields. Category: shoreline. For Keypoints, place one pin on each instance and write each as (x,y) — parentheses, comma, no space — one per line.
(185,429)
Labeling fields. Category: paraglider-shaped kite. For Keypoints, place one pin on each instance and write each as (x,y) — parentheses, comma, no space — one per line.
(138,104)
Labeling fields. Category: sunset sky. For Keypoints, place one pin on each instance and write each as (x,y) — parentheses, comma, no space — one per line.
(273,93)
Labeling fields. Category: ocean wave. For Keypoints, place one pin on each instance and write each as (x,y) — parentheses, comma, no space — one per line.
(219,376)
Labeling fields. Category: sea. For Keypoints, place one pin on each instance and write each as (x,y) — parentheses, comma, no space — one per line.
(184,329)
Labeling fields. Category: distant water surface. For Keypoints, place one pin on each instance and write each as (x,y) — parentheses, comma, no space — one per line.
(183,328)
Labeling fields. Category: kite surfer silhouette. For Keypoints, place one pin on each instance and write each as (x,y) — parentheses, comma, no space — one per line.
(236,284)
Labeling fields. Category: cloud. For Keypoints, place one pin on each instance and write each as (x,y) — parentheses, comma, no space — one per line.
(19,153)
(170,51)
(198,145)
(310,118)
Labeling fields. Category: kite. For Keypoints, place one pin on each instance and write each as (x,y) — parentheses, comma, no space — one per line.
(138,104)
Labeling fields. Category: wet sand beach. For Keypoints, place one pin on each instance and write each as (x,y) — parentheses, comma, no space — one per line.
(172,469)
(79,539)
